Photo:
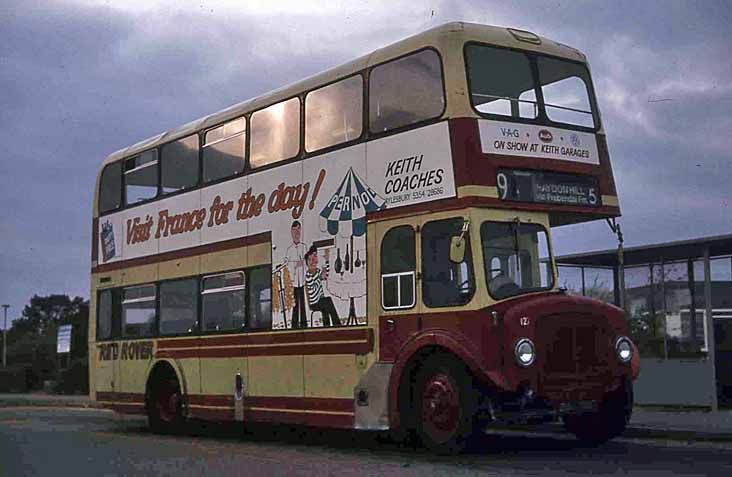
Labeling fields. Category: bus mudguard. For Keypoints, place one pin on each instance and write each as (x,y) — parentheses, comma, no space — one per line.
(455,343)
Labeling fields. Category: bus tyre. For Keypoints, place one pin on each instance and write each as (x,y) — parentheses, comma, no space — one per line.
(164,409)
(608,422)
(445,404)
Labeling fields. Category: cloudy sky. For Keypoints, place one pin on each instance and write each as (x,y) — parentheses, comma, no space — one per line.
(82,78)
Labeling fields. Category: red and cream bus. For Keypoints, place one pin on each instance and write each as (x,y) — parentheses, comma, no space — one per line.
(368,248)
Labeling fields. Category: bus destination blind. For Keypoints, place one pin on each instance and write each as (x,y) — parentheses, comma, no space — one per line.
(547,188)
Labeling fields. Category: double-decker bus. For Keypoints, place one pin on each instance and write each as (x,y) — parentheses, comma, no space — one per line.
(368,248)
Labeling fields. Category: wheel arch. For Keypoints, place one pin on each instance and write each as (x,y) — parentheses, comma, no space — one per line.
(160,366)
(417,349)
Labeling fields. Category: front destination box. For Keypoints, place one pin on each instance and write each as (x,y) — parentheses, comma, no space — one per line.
(547,188)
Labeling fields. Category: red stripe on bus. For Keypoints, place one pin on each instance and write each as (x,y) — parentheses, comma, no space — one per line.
(455,204)
(280,337)
(212,414)
(464,144)
(264,237)
(275,402)
(287,350)
(274,409)
(338,421)
(120,397)
(125,408)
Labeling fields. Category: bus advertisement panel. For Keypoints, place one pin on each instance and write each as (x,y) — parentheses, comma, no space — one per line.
(321,202)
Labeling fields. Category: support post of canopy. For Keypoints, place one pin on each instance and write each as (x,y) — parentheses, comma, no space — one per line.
(709,324)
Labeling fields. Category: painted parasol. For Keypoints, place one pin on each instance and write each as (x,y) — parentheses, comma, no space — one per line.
(345,213)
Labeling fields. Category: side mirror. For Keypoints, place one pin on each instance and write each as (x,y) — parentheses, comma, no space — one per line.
(457,244)
(457,249)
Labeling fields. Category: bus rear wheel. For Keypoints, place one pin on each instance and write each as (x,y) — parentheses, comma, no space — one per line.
(164,407)
(445,403)
(608,422)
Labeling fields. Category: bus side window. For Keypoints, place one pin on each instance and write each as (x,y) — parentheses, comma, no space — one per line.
(224,150)
(445,283)
(138,311)
(405,91)
(223,299)
(179,164)
(275,133)
(179,306)
(105,311)
(260,298)
(141,177)
(334,114)
(110,188)
(398,266)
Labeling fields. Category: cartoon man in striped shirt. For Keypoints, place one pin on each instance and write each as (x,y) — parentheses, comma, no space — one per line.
(314,277)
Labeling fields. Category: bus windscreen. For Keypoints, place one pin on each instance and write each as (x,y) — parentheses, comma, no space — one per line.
(517,85)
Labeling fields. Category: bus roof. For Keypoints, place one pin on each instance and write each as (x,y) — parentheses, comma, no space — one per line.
(447,36)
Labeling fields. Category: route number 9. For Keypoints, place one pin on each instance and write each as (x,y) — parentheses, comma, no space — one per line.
(502,182)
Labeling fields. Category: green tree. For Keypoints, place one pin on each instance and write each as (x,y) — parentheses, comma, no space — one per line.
(32,337)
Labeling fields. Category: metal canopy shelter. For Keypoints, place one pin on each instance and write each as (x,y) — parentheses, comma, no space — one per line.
(694,249)
(668,252)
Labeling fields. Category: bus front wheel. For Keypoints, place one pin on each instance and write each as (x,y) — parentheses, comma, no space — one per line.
(445,403)
(164,407)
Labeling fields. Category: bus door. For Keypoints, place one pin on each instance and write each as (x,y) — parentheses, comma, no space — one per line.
(396,293)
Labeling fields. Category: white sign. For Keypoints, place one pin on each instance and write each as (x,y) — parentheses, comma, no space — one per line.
(528,140)
(63,340)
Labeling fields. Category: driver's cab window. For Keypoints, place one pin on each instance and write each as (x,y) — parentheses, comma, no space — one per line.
(516,257)
(398,266)
(444,282)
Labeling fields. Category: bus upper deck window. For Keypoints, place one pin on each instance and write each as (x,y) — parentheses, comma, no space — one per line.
(179,164)
(566,96)
(405,91)
(110,188)
(224,150)
(141,177)
(501,82)
(275,134)
(334,114)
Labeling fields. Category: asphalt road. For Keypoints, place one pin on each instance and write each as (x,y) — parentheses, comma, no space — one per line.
(80,442)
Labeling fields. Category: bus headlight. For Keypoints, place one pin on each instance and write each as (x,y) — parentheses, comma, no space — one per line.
(525,352)
(624,349)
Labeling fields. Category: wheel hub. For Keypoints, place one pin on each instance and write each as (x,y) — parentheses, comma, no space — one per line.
(167,403)
(440,407)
